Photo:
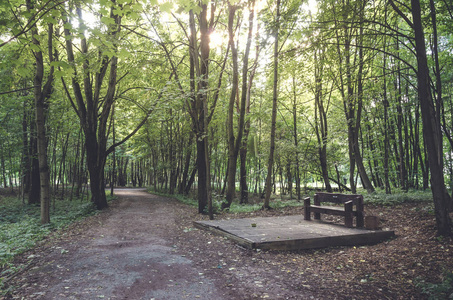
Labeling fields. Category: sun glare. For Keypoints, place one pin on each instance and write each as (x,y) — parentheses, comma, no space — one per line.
(217,40)
(312,6)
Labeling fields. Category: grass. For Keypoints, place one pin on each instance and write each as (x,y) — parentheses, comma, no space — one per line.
(377,198)
(20,226)
(398,197)
(235,207)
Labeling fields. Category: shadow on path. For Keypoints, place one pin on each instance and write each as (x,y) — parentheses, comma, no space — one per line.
(123,253)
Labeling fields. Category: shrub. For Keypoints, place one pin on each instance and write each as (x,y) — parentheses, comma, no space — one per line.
(437,291)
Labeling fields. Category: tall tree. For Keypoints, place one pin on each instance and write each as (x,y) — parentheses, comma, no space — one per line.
(94,108)
(42,92)
(270,163)
(199,70)
(321,109)
(234,143)
(350,52)
(432,133)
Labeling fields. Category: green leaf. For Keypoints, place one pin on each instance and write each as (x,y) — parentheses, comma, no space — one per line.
(35,48)
(107,20)
(166,7)
(134,15)
(50,20)
(58,74)
(118,12)
(123,53)
(23,71)
(103,11)
(137,7)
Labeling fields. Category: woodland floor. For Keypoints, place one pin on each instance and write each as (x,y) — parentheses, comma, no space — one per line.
(145,247)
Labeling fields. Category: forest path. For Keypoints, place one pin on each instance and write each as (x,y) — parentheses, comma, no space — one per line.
(146,247)
(127,252)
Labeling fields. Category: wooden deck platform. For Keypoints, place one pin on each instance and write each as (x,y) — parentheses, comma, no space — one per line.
(291,233)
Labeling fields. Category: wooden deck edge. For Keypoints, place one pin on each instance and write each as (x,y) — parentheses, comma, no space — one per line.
(217,230)
(365,237)
(326,242)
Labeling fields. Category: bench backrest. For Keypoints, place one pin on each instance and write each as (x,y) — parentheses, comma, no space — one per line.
(357,200)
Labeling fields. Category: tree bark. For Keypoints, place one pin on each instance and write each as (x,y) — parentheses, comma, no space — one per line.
(270,163)
(234,144)
(41,94)
(321,127)
(431,127)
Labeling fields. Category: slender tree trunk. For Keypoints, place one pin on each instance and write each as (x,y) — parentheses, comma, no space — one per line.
(3,165)
(270,162)
(243,168)
(234,144)
(112,177)
(26,167)
(296,145)
(358,155)
(386,123)
(321,119)
(185,173)
(199,67)
(41,93)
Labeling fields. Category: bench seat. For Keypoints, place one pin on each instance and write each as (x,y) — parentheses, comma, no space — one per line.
(350,206)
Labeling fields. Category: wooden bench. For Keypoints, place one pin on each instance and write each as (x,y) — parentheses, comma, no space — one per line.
(349,206)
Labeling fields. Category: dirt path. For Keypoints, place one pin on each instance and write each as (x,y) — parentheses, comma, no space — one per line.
(126,253)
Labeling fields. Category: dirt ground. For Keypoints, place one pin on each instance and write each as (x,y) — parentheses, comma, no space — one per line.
(145,247)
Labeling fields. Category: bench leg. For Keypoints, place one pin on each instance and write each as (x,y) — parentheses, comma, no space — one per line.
(360,222)
(307,209)
(348,214)
(317,216)
(317,202)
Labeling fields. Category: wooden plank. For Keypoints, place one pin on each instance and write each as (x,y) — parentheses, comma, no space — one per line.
(291,233)
(327,210)
(216,230)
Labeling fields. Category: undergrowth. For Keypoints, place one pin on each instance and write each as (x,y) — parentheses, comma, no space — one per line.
(235,207)
(437,291)
(377,198)
(398,197)
(20,228)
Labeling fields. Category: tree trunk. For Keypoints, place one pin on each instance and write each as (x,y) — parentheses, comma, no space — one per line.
(185,173)
(25,167)
(431,127)
(386,123)
(270,162)
(321,127)
(234,144)
(41,94)
(358,155)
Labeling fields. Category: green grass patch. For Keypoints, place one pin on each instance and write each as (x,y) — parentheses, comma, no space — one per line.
(20,226)
(235,207)
(179,197)
(398,197)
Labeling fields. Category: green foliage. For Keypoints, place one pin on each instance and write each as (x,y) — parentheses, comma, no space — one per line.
(20,227)
(398,197)
(235,207)
(180,198)
(437,291)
